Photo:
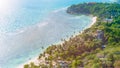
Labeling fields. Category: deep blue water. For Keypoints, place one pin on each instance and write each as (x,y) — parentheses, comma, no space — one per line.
(31,24)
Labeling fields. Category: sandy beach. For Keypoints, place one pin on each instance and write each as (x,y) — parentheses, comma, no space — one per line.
(94,19)
(35,59)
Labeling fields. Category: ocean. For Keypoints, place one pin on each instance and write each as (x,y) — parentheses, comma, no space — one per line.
(28,25)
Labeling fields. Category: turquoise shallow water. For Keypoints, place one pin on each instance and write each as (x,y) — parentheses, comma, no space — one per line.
(36,23)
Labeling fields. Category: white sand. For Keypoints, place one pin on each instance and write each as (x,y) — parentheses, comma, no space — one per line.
(94,19)
(37,62)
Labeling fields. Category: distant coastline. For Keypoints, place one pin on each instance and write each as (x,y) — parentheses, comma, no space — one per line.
(95,46)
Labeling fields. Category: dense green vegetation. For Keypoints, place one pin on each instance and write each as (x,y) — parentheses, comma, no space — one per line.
(86,49)
(101,10)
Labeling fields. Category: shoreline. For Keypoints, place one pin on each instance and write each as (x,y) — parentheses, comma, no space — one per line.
(35,59)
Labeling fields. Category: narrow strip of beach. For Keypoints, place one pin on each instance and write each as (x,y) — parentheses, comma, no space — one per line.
(35,59)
